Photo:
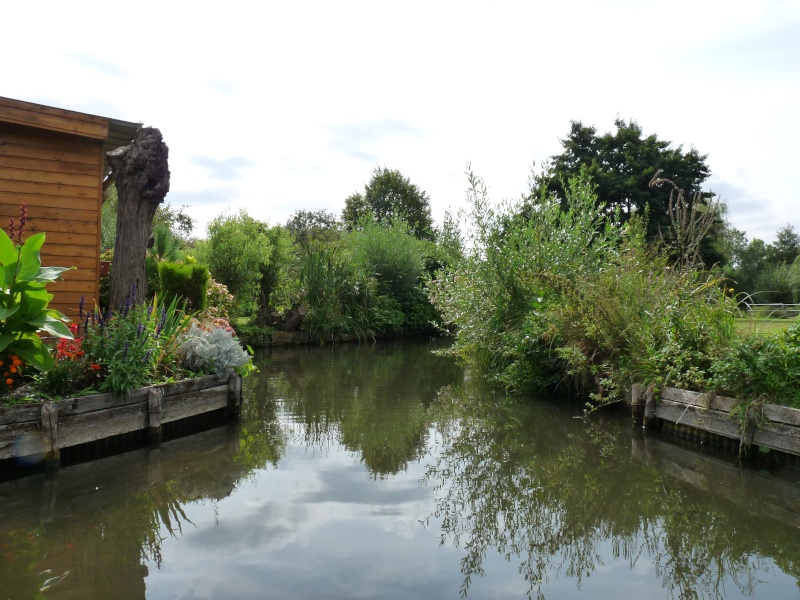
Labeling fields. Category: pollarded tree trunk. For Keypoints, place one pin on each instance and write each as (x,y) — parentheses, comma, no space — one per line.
(141,171)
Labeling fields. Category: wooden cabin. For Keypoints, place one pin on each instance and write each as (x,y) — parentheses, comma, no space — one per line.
(53,161)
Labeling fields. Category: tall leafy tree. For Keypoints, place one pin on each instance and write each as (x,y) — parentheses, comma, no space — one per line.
(390,195)
(621,165)
(786,246)
(307,225)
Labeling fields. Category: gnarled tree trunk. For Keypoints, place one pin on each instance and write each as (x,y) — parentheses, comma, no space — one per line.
(141,171)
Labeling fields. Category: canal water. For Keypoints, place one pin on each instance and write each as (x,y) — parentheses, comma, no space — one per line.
(384,471)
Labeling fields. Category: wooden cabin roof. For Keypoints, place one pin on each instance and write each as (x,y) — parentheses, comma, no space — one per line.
(113,132)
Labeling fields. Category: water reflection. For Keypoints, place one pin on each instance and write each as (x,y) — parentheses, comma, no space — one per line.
(372,399)
(89,530)
(561,498)
(380,472)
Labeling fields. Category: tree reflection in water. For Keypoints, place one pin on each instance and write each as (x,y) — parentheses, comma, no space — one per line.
(561,496)
(371,399)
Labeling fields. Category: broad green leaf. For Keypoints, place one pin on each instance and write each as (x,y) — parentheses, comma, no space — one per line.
(8,253)
(57,328)
(33,351)
(29,258)
(50,273)
(7,312)
(5,340)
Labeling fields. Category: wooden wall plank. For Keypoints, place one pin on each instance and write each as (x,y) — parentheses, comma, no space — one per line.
(21,150)
(49,225)
(26,175)
(45,142)
(47,189)
(40,206)
(49,166)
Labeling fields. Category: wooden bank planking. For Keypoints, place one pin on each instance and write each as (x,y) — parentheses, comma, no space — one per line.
(53,161)
(45,428)
(779,427)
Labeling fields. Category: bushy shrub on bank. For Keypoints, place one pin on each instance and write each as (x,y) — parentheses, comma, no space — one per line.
(548,297)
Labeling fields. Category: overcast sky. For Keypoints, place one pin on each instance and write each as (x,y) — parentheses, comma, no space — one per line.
(279,106)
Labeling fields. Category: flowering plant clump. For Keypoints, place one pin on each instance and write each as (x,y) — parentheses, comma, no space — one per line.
(11,367)
(135,345)
(138,345)
(24,298)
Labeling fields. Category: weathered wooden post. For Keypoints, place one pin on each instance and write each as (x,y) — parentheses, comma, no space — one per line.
(637,403)
(52,453)
(650,420)
(155,398)
(234,395)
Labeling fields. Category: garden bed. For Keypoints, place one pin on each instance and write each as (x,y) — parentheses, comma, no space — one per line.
(39,431)
(772,426)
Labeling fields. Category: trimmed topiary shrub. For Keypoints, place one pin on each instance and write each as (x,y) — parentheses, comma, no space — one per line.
(185,281)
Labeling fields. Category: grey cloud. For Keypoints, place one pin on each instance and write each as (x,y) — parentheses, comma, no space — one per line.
(226,169)
(360,138)
(102,66)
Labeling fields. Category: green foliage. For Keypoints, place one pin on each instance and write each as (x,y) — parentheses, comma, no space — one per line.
(388,196)
(184,281)
(215,351)
(321,226)
(166,245)
(136,345)
(236,250)
(621,164)
(763,368)
(252,334)
(391,254)
(572,293)
(338,295)
(24,299)
(108,220)
(277,273)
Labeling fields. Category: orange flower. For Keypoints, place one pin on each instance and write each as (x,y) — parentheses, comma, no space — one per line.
(13,369)
(5,374)
(9,381)
(16,362)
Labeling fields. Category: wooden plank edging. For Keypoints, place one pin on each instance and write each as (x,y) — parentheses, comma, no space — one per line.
(779,427)
(44,428)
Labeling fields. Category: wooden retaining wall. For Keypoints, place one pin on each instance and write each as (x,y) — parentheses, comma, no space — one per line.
(774,427)
(43,429)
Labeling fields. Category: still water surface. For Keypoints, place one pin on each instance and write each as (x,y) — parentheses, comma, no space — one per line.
(385,472)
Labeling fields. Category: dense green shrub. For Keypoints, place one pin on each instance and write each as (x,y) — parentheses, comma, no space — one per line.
(391,254)
(184,281)
(235,252)
(762,368)
(549,296)
(338,295)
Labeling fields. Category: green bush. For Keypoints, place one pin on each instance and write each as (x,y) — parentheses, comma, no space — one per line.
(184,281)
(548,296)
(391,254)
(759,368)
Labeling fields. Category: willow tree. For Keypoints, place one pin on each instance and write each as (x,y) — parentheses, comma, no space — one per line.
(141,173)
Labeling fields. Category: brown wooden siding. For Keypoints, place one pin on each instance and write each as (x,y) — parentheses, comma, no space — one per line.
(59,178)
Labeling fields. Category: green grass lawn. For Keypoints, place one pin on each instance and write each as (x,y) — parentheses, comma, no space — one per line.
(763,326)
